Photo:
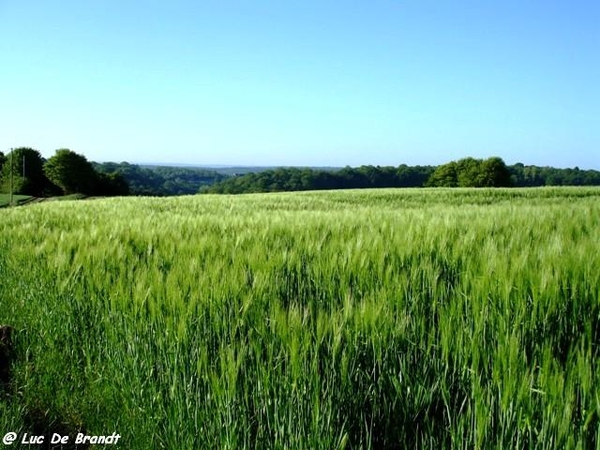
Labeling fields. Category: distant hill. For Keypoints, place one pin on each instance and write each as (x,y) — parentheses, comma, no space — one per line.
(467,172)
(302,179)
(236,170)
(161,180)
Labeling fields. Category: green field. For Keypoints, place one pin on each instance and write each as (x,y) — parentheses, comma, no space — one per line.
(417,318)
(5,199)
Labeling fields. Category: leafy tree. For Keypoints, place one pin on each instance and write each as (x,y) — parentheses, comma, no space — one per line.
(494,173)
(72,172)
(444,176)
(2,160)
(26,165)
(471,172)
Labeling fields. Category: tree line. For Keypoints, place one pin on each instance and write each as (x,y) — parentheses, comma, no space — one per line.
(161,180)
(68,172)
(25,172)
(467,172)
(294,179)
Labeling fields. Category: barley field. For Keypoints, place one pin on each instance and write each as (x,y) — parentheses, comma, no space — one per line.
(383,319)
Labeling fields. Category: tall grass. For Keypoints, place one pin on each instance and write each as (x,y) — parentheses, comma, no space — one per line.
(349,319)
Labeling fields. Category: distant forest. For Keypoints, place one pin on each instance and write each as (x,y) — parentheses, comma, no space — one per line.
(161,180)
(467,172)
(68,172)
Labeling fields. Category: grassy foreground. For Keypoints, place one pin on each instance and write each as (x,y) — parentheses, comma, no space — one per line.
(348,319)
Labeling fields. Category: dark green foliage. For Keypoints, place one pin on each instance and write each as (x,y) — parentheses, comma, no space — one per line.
(141,181)
(68,172)
(471,172)
(446,175)
(529,176)
(72,172)
(295,179)
(111,184)
(495,173)
(160,180)
(467,172)
(28,176)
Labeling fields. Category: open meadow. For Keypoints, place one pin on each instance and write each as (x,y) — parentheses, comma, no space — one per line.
(415,318)
(17,199)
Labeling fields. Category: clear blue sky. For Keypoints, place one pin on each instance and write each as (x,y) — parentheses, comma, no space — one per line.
(336,83)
